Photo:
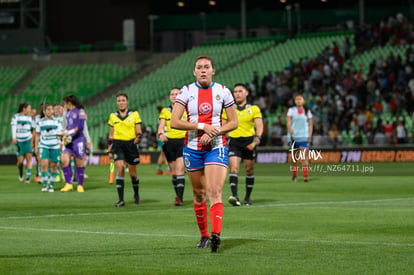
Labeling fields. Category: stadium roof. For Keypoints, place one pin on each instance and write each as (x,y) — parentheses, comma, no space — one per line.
(196,6)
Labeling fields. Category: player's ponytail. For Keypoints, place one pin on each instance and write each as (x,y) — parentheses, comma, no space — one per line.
(22,106)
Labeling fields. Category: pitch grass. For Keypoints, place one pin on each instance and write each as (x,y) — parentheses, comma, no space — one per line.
(349,224)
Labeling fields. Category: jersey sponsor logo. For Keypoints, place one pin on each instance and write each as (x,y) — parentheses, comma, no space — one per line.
(205,108)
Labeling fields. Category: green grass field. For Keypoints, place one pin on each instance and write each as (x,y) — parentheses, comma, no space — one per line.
(347,223)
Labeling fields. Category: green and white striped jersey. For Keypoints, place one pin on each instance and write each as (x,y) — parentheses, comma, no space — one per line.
(22,126)
(62,120)
(48,129)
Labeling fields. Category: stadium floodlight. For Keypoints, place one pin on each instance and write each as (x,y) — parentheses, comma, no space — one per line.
(151,18)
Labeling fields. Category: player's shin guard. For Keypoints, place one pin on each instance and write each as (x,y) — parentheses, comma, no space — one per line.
(305,170)
(68,174)
(201,216)
(294,169)
(216,218)
(135,185)
(44,178)
(120,187)
(20,167)
(28,173)
(233,179)
(180,186)
(174,183)
(80,173)
(249,185)
(52,179)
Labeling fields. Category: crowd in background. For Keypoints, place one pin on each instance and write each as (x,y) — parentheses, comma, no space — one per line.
(343,100)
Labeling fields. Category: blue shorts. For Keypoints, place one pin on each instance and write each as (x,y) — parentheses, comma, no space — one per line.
(195,160)
(300,144)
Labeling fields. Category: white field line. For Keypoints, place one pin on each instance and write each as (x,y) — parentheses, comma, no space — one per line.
(137,234)
(289,204)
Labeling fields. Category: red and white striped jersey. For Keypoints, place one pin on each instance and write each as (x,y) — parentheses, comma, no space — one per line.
(204,105)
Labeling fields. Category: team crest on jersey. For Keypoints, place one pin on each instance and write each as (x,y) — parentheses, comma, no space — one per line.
(218,97)
(204,108)
(187,162)
(249,111)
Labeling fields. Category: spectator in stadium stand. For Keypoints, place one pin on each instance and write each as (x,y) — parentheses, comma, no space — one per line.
(75,142)
(401,132)
(389,131)
(173,143)
(243,142)
(300,128)
(124,136)
(22,126)
(205,153)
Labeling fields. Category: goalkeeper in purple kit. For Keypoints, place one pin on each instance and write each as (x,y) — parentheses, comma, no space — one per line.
(74,142)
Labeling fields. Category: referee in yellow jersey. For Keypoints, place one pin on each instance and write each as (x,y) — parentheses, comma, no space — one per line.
(124,136)
(243,142)
(173,141)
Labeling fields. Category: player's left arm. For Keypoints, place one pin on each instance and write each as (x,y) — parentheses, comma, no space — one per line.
(310,126)
(258,123)
(138,132)
(231,121)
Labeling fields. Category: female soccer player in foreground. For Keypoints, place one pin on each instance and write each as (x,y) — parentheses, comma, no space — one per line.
(299,126)
(205,154)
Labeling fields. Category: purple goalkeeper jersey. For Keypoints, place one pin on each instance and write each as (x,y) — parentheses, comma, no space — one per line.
(76,118)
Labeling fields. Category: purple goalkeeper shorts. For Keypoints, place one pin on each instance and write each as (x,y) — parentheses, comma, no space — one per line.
(76,148)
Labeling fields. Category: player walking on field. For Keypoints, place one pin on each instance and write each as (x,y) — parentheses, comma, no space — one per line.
(22,126)
(299,126)
(173,141)
(124,137)
(205,153)
(74,141)
(243,142)
(47,146)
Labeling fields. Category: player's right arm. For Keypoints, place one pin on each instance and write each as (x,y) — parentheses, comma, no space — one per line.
(160,133)
(14,130)
(110,139)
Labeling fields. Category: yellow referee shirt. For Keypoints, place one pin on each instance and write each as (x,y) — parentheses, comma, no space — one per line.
(124,127)
(171,132)
(246,116)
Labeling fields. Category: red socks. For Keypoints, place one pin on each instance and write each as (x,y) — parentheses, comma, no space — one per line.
(216,218)
(294,170)
(305,170)
(201,216)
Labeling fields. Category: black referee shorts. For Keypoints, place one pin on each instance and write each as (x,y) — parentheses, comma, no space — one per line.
(173,149)
(237,148)
(125,150)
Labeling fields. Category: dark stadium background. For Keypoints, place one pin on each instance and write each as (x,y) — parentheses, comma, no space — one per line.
(91,21)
